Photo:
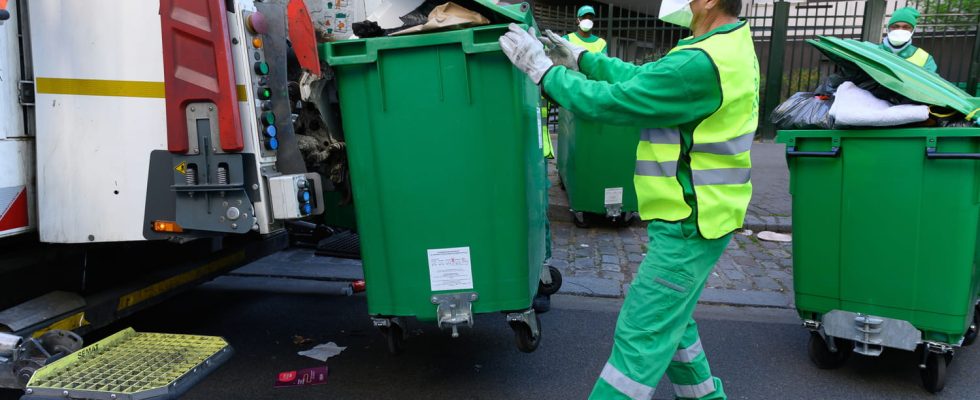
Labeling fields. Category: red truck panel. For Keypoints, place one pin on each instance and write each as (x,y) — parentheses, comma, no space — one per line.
(302,36)
(198,67)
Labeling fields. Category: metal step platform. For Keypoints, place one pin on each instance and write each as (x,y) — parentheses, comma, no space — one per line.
(130,365)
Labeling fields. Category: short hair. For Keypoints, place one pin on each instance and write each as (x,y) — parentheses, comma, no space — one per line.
(732,7)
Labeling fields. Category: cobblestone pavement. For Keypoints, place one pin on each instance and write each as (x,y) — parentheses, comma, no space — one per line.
(602,260)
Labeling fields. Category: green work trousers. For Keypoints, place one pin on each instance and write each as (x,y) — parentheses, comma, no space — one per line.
(656,332)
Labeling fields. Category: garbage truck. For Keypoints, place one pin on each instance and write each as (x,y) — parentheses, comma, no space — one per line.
(146,147)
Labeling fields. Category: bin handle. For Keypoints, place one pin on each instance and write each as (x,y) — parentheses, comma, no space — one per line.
(833,153)
(932,154)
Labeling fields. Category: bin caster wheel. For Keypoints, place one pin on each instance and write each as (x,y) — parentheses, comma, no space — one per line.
(821,355)
(971,334)
(395,338)
(549,289)
(578,218)
(527,341)
(934,374)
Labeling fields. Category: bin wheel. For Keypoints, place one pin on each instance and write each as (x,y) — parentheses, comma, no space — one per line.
(934,374)
(971,334)
(551,288)
(821,355)
(526,341)
(625,220)
(395,338)
(578,218)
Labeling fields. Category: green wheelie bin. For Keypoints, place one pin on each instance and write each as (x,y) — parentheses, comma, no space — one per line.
(447,175)
(595,164)
(885,225)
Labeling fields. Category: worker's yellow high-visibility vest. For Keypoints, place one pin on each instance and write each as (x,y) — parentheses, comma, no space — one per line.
(592,47)
(920,57)
(719,156)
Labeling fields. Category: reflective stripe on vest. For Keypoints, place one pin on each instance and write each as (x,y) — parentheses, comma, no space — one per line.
(920,58)
(592,47)
(720,161)
(546,135)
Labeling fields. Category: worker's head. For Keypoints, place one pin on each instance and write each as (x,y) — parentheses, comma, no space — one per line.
(687,12)
(901,25)
(584,17)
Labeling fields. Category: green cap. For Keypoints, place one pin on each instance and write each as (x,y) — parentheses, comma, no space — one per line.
(585,10)
(908,15)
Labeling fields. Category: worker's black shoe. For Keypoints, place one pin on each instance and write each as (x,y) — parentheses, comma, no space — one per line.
(541,304)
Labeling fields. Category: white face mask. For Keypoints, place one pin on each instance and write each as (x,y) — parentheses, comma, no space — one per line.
(585,25)
(899,37)
(677,12)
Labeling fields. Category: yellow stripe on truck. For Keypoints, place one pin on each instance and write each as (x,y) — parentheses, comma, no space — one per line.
(67,324)
(172,283)
(102,87)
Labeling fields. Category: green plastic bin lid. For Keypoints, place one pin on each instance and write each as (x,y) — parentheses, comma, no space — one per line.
(898,74)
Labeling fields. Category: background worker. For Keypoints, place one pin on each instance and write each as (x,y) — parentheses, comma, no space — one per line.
(700,105)
(583,37)
(901,26)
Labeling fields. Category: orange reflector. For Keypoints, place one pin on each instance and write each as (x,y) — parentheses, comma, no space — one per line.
(167,226)
(257,42)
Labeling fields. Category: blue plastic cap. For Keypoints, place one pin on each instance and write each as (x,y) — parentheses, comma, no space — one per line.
(307,209)
(272,144)
(270,131)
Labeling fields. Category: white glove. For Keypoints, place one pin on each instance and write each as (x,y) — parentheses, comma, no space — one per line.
(525,52)
(561,51)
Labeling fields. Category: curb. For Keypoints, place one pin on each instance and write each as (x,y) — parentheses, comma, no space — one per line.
(768,223)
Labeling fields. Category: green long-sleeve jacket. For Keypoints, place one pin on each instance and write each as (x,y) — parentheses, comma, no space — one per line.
(681,89)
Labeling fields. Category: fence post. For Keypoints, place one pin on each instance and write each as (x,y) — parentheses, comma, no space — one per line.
(874,15)
(774,71)
(973,73)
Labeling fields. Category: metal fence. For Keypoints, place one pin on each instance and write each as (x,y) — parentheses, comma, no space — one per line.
(948,29)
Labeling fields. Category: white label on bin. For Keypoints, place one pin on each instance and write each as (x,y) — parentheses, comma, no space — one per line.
(614,196)
(540,133)
(450,269)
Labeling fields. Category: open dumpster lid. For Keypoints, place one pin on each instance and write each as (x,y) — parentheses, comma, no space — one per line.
(898,74)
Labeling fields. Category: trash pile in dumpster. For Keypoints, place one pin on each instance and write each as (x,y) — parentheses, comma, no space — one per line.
(851,98)
(404,17)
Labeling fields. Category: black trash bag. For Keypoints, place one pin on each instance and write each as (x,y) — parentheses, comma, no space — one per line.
(804,110)
(367,29)
(420,15)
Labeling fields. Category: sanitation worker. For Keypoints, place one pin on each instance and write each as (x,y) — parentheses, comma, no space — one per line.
(583,36)
(901,26)
(699,104)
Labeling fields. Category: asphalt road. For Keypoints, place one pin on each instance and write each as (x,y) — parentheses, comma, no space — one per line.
(759,353)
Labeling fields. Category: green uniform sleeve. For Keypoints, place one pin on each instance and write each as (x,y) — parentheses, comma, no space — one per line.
(607,69)
(931,65)
(680,88)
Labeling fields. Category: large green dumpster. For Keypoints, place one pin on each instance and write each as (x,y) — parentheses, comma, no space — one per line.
(885,226)
(447,174)
(596,163)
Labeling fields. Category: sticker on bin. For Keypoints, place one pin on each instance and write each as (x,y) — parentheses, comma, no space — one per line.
(540,139)
(450,269)
(614,196)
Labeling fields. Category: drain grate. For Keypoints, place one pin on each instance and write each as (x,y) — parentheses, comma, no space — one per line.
(131,365)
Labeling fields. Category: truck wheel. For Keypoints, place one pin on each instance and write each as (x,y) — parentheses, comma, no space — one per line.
(554,286)
(934,374)
(822,357)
